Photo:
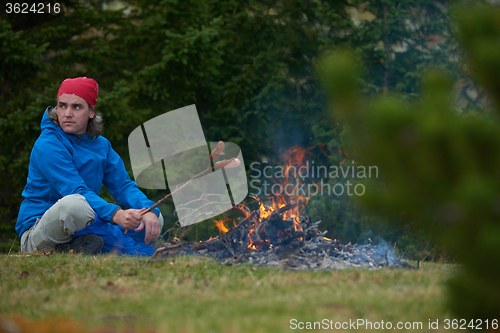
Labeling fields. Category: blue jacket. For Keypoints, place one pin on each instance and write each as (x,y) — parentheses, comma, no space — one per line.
(62,164)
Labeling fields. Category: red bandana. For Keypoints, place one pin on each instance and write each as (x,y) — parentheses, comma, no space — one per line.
(83,87)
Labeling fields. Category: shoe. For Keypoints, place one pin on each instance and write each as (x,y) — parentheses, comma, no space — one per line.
(84,244)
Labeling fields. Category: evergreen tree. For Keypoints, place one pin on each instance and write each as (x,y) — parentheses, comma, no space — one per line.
(440,169)
(396,41)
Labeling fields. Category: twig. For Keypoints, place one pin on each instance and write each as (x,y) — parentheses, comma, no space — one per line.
(184,233)
(169,247)
(174,228)
(225,242)
(15,238)
(182,244)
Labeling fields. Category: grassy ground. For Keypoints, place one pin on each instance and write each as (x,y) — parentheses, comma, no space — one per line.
(192,294)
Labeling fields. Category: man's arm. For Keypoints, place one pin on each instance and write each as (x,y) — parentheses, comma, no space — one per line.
(56,164)
(126,192)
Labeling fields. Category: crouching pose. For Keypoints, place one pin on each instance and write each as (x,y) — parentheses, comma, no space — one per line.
(69,163)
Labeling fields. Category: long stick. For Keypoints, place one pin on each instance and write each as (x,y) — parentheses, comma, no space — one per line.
(159,202)
(218,151)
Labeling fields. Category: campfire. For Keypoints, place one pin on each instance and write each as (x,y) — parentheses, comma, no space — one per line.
(276,234)
(273,236)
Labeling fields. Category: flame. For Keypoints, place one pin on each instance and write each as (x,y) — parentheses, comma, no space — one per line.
(294,157)
(243,209)
(342,151)
(220,225)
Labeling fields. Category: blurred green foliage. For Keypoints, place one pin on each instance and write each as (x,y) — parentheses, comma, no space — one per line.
(439,168)
(247,65)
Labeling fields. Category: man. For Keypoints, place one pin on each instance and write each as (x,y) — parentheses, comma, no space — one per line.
(69,163)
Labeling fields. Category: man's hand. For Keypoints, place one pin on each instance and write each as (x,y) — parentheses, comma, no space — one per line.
(150,221)
(128,219)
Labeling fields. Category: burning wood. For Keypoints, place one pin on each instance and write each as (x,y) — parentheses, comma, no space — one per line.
(276,237)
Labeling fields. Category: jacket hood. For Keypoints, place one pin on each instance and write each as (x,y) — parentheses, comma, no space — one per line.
(46,122)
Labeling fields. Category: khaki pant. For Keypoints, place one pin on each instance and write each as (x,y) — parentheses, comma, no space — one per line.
(61,221)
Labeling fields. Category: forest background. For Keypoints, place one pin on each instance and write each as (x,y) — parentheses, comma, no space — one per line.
(251,69)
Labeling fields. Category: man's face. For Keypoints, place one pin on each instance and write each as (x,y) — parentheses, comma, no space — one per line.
(73,114)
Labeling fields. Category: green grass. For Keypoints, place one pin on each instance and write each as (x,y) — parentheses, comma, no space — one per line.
(192,294)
